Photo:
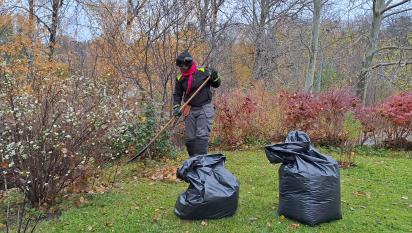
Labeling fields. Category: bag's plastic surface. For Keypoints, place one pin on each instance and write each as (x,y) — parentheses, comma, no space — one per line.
(309,182)
(213,191)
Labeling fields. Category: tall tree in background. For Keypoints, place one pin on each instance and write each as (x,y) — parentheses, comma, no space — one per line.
(313,52)
(381,9)
(262,17)
(56,5)
(132,11)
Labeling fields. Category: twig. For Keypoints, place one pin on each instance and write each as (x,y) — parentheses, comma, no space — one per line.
(401,63)
(115,173)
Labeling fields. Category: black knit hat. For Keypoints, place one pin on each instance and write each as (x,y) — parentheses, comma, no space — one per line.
(184,58)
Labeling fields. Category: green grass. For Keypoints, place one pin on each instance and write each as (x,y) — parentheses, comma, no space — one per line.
(383,186)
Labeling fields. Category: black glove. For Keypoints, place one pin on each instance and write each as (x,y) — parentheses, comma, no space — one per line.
(213,74)
(214,78)
(176,110)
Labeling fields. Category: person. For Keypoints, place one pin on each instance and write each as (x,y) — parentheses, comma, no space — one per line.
(199,112)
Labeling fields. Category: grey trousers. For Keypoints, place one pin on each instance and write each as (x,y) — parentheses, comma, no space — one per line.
(198,125)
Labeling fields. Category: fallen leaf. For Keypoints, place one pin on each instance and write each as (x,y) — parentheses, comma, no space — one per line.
(156,217)
(109,224)
(83,201)
(204,223)
(362,194)
(351,208)
(294,225)
(410,206)
(4,165)
(404,198)
(252,219)
(268,224)
(89,228)
(363,207)
(282,217)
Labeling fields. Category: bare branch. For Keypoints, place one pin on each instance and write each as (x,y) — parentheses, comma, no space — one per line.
(394,5)
(391,47)
(397,12)
(400,63)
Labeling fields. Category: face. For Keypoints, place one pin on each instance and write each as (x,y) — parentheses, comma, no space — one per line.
(184,67)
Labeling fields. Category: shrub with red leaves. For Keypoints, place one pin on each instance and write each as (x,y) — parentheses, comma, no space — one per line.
(372,123)
(246,117)
(334,105)
(234,116)
(321,116)
(299,110)
(397,112)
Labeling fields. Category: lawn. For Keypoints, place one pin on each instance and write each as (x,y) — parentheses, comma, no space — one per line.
(376,197)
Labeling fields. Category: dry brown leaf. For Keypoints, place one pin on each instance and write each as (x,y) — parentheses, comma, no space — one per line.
(156,217)
(204,223)
(166,173)
(4,165)
(362,194)
(83,201)
(294,225)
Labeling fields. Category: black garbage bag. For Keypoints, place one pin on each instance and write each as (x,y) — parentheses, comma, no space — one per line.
(309,183)
(213,191)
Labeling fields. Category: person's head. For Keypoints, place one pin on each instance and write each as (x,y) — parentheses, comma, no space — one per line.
(184,61)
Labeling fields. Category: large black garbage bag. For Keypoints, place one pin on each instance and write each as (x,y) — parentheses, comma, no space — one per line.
(309,183)
(213,191)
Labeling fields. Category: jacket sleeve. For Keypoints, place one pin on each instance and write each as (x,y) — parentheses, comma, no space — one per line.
(178,93)
(215,79)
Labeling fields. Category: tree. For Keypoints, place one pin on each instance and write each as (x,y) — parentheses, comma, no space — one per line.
(381,9)
(262,17)
(313,52)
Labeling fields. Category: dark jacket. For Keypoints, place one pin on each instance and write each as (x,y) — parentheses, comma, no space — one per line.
(203,97)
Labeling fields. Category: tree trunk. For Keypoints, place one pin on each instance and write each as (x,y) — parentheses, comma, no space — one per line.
(56,5)
(129,20)
(317,7)
(32,35)
(31,19)
(259,71)
(378,6)
(202,14)
(319,83)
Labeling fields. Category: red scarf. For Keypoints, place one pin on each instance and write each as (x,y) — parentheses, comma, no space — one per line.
(189,74)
